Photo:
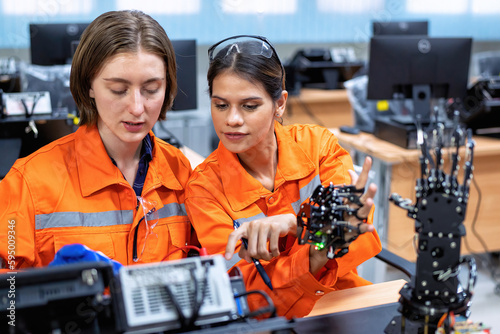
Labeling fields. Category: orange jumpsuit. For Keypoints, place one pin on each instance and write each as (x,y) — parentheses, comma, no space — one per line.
(220,191)
(69,191)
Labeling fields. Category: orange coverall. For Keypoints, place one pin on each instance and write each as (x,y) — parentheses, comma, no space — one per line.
(69,191)
(220,191)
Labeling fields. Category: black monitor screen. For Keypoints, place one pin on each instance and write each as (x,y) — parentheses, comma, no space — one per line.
(54,43)
(397,63)
(400,28)
(185,56)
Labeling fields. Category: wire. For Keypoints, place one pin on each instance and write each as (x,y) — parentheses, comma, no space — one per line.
(28,113)
(198,297)
(476,214)
(442,319)
(268,309)
(178,310)
(309,112)
(489,261)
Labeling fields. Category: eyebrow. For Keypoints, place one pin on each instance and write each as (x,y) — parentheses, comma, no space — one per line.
(121,80)
(245,99)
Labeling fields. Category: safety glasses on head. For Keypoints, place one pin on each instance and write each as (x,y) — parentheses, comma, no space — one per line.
(245,44)
(242,44)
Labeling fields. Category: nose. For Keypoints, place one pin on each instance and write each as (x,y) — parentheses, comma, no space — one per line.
(234,117)
(136,103)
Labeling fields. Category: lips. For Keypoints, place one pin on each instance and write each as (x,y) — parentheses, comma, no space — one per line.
(133,126)
(234,135)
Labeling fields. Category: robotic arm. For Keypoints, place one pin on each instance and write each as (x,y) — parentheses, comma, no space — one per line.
(435,291)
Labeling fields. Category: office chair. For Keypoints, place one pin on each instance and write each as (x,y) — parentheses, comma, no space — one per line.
(10,148)
(396,261)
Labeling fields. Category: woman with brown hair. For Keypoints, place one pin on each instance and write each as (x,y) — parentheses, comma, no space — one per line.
(107,185)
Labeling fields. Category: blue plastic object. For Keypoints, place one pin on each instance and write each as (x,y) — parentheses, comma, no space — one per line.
(80,253)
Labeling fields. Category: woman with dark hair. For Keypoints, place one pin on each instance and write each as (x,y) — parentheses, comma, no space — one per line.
(107,185)
(259,176)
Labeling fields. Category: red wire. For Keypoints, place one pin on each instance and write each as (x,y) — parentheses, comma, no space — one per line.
(442,319)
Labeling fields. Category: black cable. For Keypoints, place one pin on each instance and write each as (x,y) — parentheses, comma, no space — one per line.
(476,214)
(268,309)
(199,297)
(196,305)
(490,265)
(309,112)
(178,310)
(28,113)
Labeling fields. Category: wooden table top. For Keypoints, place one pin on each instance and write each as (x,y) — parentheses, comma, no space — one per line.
(391,153)
(359,297)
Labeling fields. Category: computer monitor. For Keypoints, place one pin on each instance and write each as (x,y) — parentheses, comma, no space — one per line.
(418,68)
(400,28)
(185,56)
(54,43)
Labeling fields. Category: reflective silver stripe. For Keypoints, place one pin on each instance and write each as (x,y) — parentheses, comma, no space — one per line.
(82,219)
(306,192)
(233,261)
(171,210)
(100,219)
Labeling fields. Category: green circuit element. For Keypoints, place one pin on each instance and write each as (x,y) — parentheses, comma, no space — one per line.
(319,245)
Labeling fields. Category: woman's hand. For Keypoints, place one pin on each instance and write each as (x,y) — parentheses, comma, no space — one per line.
(263,237)
(366,199)
(317,259)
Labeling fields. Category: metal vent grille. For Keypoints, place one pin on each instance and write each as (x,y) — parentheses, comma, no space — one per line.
(147,301)
(155,299)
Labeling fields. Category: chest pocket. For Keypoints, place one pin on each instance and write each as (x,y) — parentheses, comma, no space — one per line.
(165,241)
(102,242)
(172,232)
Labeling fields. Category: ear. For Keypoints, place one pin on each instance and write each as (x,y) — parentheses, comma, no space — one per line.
(281,104)
(91,93)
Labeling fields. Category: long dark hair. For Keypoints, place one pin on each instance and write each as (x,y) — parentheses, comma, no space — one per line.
(250,66)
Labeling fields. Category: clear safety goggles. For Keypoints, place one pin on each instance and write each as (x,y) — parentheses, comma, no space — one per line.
(151,219)
(238,44)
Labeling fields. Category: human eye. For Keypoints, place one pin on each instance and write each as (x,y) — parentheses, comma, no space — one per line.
(152,89)
(118,88)
(250,106)
(220,106)
(119,92)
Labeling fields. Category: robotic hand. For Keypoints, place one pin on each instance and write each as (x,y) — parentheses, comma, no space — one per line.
(324,221)
(80,253)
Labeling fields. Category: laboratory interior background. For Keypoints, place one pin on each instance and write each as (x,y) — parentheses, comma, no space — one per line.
(291,25)
(305,33)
